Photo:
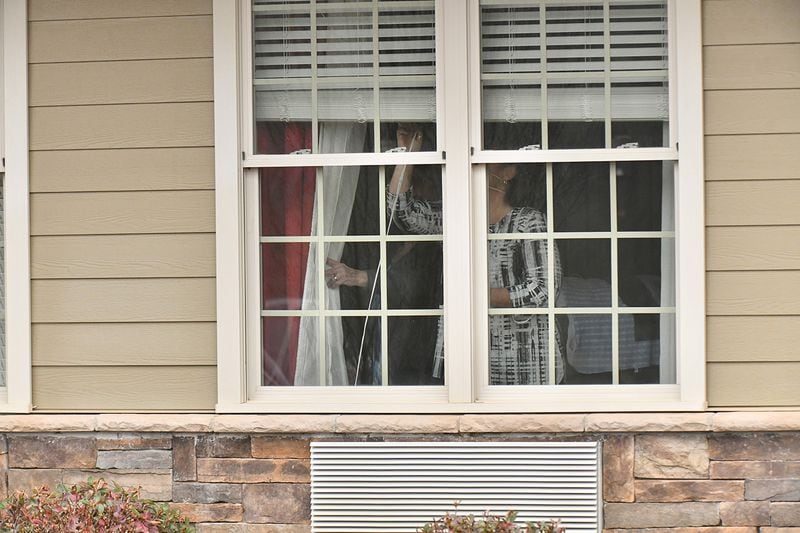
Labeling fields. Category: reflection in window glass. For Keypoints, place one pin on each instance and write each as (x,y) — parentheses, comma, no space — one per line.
(347,255)
(347,65)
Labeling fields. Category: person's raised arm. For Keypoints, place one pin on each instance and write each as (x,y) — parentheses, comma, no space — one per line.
(410,138)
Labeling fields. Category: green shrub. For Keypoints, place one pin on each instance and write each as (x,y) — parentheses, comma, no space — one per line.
(488,523)
(90,506)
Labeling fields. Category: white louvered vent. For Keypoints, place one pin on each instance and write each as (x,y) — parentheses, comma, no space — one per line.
(399,486)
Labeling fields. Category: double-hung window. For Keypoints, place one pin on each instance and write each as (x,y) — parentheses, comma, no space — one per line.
(466,205)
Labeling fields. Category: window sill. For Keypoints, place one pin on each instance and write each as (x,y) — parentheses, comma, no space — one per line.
(407,424)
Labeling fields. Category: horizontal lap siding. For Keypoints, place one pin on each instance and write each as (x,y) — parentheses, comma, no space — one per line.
(122,205)
(752,126)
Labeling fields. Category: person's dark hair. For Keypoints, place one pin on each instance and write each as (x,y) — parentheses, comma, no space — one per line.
(528,188)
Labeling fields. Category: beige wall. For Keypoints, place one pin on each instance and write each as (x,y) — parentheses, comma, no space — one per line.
(752,125)
(122,204)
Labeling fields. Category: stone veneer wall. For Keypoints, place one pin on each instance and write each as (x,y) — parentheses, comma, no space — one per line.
(661,472)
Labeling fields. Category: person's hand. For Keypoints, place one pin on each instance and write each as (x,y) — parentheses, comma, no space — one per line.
(338,274)
(409,136)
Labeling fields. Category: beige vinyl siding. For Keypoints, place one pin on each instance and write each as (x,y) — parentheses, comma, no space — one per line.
(114,39)
(97,9)
(123,256)
(753,248)
(752,157)
(129,169)
(125,388)
(118,344)
(122,205)
(104,213)
(149,81)
(752,127)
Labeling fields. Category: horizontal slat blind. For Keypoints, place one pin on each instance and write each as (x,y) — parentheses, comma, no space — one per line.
(344,49)
(575,48)
(331,47)
(399,486)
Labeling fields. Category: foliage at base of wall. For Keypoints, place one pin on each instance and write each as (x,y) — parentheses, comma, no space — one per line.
(488,523)
(93,505)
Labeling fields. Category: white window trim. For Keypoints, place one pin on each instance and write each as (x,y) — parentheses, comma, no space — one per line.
(462,394)
(16,396)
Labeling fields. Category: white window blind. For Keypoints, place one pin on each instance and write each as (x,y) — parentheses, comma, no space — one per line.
(361,55)
(588,55)
(348,59)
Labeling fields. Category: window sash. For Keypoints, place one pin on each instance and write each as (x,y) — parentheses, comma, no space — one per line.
(462,202)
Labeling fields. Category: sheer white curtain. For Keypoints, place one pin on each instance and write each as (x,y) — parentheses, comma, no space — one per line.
(339,190)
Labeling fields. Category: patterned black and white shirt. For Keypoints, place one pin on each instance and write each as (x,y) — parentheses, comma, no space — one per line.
(518,344)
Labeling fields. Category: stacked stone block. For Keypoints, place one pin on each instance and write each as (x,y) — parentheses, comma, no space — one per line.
(235,483)
(726,483)
(654,481)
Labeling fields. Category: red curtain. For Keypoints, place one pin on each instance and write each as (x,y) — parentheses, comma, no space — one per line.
(287,204)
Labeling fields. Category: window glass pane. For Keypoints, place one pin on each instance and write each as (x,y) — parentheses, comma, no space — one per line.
(283,275)
(586,273)
(587,348)
(645,197)
(576,111)
(639,112)
(376,259)
(415,367)
(518,276)
(646,272)
(511,81)
(519,351)
(639,73)
(581,197)
(347,65)
(647,348)
(591,73)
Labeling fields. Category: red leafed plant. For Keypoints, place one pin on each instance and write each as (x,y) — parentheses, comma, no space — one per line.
(89,506)
(488,523)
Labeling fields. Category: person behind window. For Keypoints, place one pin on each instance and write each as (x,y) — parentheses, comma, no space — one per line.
(414,281)
(518,276)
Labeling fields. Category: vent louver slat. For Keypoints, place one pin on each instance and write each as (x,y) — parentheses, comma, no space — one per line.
(383,487)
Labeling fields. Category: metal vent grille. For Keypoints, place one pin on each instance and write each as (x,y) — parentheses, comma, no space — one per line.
(399,486)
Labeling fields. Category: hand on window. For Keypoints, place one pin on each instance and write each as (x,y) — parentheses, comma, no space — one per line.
(338,274)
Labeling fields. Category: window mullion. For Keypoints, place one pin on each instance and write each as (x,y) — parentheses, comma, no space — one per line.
(314,92)
(543,70)
(607,72)
(456,190)
(551,278)
(384,288)
(376,77)
(614,276)
(321,287)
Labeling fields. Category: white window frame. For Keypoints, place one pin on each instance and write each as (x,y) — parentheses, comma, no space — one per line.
(16,396)
(462,202)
